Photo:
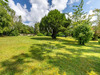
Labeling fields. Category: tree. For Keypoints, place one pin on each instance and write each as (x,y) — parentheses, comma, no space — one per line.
(5,21)
(36,28)
(97,22)
(53,23)
(83,33)
(78,12)
(77,17)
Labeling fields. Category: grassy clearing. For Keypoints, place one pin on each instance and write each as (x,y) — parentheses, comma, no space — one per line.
(24,55)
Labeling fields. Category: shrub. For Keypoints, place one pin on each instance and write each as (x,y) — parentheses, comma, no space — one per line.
(83,33)
(14,33)
(60,34)
(99,41)
(47,34)
(95,37)
(40,34)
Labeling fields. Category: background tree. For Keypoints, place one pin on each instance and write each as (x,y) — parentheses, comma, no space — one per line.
(97,22)
(54,22)
(5,21)
(36,28)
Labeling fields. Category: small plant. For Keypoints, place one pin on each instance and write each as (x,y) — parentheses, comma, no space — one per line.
(99,41)
(40,34)
(61,34)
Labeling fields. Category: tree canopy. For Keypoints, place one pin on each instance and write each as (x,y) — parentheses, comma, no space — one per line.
(54,22)
(5,21)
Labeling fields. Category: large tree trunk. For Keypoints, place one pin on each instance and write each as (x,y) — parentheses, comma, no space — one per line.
(54,33)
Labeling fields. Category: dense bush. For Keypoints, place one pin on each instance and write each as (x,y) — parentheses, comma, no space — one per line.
(83,33)
(40,34)
(95,37)
(14,33)
(47,34)
(61,34)
(99,41)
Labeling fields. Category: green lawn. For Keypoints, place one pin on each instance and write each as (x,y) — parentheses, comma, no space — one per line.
(35,55)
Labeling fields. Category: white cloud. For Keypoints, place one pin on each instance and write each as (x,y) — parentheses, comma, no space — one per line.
(69,14)
(39,9)
(89,2)
(25,6)
(72,1)
(91,13)
(59,4)
(20,10)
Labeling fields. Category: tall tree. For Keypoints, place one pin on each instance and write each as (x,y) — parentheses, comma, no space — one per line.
(53,22)
(78,12)
(5,21)
(97,22)
(36,28)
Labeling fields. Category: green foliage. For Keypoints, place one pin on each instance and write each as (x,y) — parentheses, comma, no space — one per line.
(68,32)
(99,41)
(54,22)
(23,29)
(0,3)
(5,21)
(14,33)
(78,13)
(61,34)
(4,4)
(47,34)
(36,28)
(97,22)
(83,33)
(40,34)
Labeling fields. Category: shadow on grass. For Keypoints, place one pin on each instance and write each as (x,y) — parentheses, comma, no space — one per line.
(17,63)
(42,38)
(50,39)
(71,64)
(76,65)
(10,67)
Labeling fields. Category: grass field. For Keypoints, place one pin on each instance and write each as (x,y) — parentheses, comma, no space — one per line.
(35,55)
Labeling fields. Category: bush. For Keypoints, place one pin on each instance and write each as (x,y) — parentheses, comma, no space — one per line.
(95,37)
(47,34)
(99,41)
(61,34)
(40,34)
(14,33)
(83,33)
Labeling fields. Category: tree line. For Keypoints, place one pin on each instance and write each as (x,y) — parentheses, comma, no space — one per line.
(10,24)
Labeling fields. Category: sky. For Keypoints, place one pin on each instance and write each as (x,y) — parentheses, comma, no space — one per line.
(33,11)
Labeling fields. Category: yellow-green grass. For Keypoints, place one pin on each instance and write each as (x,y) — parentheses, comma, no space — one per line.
(34,55)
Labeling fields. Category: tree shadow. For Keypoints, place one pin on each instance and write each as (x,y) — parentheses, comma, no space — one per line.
(10,67)
(50,39)
(71,64)
(42,38)
(75,65)
(17,63)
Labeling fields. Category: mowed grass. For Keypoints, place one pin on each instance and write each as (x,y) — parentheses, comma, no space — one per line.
(23,55)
